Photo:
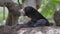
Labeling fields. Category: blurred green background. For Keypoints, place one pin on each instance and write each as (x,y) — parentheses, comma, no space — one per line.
(47,9)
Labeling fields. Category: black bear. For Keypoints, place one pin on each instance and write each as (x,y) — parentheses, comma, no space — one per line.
(36,18)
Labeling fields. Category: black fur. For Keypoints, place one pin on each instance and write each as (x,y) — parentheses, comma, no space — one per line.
(37,18)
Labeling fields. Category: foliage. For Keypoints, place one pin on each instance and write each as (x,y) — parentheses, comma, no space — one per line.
(1,14)
(48,7)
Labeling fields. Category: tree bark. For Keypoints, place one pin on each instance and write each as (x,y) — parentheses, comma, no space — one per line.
(14,11)
(38,4)
(34,3)
(57,15)
(29,3)
(32,30)
(13,14)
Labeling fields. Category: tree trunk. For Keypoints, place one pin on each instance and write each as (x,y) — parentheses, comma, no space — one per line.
(57,15)
(14,11)
(29,3)
(38,3)
(13,14)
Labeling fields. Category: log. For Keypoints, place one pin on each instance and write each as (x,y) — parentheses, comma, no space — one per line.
(30,30)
